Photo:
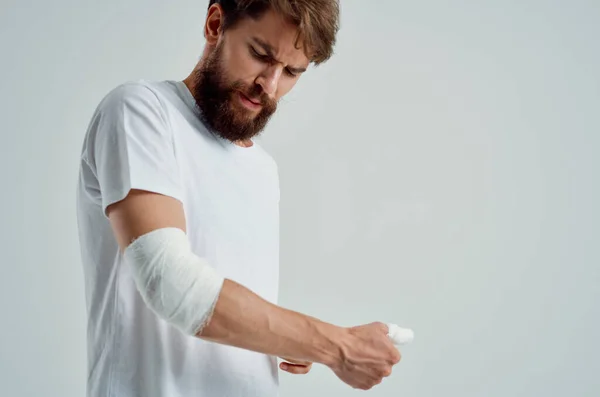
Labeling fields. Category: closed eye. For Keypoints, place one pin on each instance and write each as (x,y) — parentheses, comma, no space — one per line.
(267,58)
(258,55)
(290,73)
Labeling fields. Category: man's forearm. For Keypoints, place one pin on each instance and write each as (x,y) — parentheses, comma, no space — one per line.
(243,319)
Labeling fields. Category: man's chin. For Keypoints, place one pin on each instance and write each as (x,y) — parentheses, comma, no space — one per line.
(233,129)
(238,124)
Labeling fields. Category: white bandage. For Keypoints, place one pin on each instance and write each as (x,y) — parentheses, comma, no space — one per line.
(176,284)
(400,336)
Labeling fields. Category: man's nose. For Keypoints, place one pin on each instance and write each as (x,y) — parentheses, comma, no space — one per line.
(269,79)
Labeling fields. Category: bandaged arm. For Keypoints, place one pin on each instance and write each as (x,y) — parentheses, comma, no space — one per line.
(150,229)
(184,289)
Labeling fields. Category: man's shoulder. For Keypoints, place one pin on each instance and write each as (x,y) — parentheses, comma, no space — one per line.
(132,91)
(129,104)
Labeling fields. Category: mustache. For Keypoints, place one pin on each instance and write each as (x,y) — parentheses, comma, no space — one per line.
(256,94)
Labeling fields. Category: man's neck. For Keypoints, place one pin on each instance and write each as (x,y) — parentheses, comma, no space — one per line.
(245,143)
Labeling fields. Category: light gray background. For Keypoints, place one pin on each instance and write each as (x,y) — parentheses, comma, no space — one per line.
(441,172)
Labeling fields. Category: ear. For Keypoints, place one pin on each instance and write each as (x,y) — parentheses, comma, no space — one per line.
(214,24)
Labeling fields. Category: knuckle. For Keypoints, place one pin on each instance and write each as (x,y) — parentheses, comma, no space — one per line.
(382,326)
(383,372)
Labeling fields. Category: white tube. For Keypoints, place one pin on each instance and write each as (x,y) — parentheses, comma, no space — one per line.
(400,336)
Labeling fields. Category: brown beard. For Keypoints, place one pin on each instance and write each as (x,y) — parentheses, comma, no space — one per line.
(214,96)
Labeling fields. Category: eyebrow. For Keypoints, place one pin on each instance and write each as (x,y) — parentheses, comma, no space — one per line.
(269,50)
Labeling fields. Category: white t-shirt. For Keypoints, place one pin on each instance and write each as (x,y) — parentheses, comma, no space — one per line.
(147,135)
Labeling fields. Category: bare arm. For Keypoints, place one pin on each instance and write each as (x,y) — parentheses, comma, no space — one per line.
(241,318)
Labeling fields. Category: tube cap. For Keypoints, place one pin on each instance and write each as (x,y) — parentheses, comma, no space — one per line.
(400,336)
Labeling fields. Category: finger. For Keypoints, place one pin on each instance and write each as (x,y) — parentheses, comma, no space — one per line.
(295,368)
(292,366)
(296,362)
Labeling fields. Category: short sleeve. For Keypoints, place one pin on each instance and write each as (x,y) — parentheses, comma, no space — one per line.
(132,145)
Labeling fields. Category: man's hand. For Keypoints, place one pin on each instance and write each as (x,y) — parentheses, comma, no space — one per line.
(295,366)
(368,356)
